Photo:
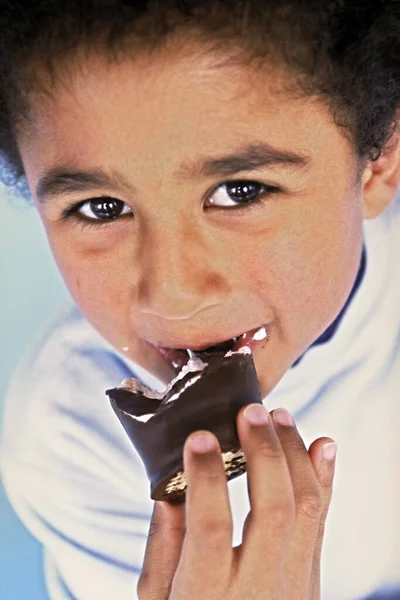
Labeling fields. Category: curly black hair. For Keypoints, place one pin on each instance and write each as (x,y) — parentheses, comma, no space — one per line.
(346,52)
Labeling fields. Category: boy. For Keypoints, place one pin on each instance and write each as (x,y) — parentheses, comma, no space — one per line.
(204,169)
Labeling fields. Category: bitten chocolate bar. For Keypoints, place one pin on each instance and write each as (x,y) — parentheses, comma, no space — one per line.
(205,395)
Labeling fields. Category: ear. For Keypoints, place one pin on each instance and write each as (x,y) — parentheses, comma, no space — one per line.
(381,179)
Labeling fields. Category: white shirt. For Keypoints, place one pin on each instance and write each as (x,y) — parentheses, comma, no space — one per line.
(78,485)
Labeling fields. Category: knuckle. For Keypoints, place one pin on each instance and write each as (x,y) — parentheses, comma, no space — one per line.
(282,514)
(310,505)
(269,449)
(158,530)
(213,527)
(208,473)
(214,474)
(322,521)
(326,482)
(154,529)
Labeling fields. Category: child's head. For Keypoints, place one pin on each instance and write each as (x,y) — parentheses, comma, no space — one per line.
(231,150)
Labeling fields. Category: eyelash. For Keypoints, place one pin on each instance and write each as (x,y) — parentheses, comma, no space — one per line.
(71,212)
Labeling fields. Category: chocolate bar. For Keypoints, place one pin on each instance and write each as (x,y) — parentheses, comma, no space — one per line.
(205,395)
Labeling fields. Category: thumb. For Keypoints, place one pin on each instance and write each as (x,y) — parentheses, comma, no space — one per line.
(325,470)
(163,551)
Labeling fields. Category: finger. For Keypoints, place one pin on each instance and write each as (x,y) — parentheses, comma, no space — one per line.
(302,473)
(163,551)
(322,453)
(271,496)
(308,500)
(207,550)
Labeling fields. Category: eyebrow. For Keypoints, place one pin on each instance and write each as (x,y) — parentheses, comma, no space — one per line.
(248,158)
(61,180)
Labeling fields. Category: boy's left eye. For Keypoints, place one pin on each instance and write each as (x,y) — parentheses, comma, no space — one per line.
(238,193)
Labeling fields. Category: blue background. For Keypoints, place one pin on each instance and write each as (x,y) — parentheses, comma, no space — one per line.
(32,292)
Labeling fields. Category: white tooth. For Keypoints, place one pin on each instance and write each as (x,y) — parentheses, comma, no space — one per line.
(191,353)
(260,334)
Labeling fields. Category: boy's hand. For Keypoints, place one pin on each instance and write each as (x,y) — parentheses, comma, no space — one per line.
(189,554)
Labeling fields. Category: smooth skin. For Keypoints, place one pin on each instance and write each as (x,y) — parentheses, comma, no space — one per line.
(183,268)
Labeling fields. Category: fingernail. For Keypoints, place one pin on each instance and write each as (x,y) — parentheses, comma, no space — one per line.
(283,417)
(202,442)
(329,450)
(255,414)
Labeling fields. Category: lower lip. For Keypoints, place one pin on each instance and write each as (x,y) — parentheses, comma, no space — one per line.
(177,359)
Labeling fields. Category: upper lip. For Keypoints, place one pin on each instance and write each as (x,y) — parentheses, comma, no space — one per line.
(199,346)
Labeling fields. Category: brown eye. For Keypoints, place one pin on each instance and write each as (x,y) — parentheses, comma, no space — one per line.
(103,209)
(237,193)
(106,208)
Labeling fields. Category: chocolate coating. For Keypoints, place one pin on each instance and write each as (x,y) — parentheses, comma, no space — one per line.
(212,403)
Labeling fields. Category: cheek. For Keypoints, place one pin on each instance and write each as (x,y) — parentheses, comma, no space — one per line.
(303,269)
(97,282)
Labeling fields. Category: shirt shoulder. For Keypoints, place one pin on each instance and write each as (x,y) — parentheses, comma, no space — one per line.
(56,398)
(68,467)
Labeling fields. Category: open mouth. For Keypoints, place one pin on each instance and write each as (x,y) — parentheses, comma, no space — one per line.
(216,350)
(179,357)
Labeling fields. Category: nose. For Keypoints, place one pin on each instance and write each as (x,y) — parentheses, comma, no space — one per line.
(179,275)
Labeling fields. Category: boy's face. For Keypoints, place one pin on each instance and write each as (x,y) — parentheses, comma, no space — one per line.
(182,267)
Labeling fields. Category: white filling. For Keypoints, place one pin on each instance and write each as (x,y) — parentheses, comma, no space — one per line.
(133,385)
(194,365)
(187,384)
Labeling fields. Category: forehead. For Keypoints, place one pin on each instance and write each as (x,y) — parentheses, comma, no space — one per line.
(164,108)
